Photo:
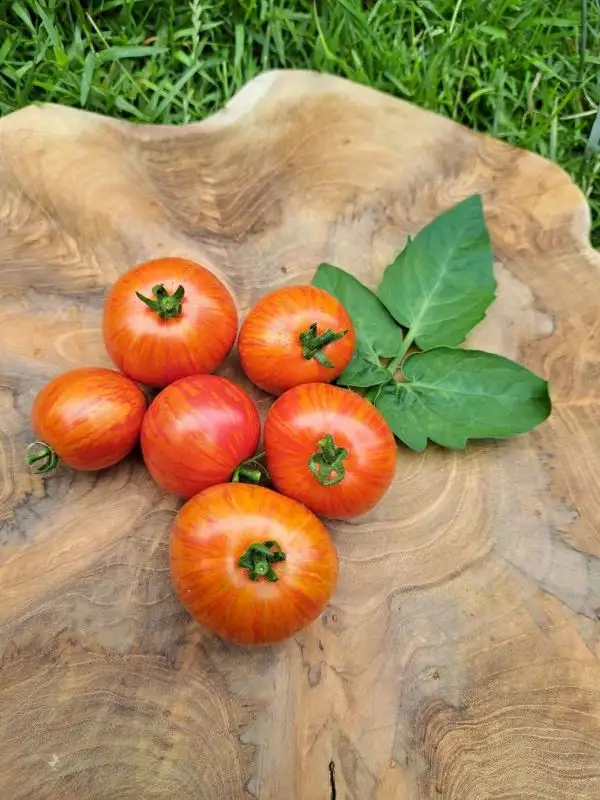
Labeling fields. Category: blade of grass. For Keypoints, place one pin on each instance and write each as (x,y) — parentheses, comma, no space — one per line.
(593,143)
(120,52)
(87,77)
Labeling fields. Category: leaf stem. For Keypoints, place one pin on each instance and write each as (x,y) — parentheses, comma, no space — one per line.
(397,360)
(373,393)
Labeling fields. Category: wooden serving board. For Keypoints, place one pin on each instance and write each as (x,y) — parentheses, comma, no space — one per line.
(459,658)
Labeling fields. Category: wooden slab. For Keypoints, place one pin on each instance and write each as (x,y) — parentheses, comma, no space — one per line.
(459,659)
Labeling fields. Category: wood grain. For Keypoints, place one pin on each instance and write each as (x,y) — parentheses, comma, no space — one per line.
(459,658)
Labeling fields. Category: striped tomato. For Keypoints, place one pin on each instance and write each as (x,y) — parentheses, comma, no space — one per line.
(87,418)
(167,319)
(197,431)
(330,449)
(298,334)
(251,565)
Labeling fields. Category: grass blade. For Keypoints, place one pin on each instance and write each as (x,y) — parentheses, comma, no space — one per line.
(23,15)
(49,26)
(593,143)
(118,53)
(87,77)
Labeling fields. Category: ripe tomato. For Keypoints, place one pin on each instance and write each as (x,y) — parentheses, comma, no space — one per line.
(251,565)
(298,334)
(87,418)
(197,431)
(330,449)
(167,319)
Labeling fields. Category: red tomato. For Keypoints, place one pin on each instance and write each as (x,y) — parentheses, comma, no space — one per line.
(197,431)
(167,319)
(251,565)
(298,334)
(87,418)
(330,449)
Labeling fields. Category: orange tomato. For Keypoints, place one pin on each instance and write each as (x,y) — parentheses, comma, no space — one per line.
(197,431)
(167,319)
(250,565)
(330,449)
(87,418)
(298,334)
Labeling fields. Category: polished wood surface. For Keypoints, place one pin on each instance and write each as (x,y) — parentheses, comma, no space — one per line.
(459,657)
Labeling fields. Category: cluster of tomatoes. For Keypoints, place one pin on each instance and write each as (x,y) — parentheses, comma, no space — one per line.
(252,564)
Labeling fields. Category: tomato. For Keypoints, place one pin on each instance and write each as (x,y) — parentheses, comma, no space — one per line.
(330,449)
(167,319)
(196,433)
(298,334)
(87,418)
(250,565)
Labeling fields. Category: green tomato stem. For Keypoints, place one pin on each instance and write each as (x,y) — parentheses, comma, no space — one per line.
(251,471)
(165,305)
(259,558)
(327,463)
(245,474)
(313,343)
(42,461)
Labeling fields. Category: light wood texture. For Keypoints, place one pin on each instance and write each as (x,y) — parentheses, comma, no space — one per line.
(459,658)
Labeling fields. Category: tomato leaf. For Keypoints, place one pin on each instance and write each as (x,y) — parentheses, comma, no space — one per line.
(365,368)
(441,284)
(376,332)
(452,395)
(372,322)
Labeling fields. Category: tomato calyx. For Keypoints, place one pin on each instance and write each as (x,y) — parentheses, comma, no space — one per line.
(166,305)
(259,559)
(43,459)
(313,343)
(327,463)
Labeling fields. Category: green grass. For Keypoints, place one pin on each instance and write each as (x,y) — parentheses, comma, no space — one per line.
(526,71)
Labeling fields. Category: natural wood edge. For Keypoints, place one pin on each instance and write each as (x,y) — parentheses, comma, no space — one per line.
(292,86)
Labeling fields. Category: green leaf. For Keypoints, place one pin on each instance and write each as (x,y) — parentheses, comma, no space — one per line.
(451,396)
(370,318)
(377,335)
(23,14)
(441,284)
(49,26)
(119,52)
(365,368)
(86,77)
(124,105)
